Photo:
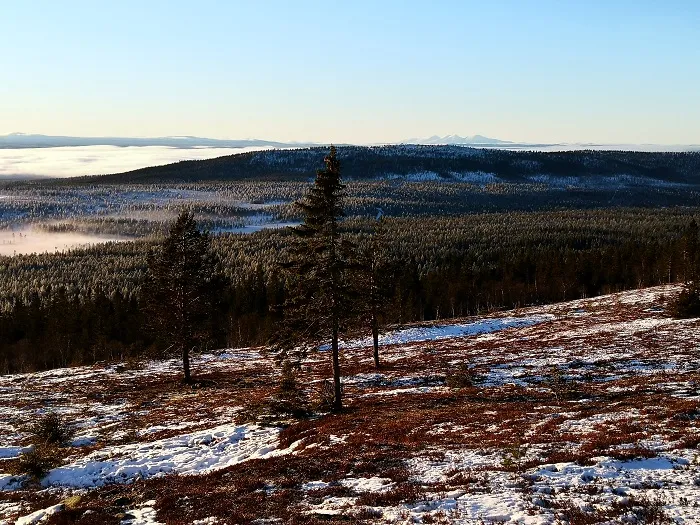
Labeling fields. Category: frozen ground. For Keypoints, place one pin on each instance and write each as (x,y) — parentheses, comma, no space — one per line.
(580,412)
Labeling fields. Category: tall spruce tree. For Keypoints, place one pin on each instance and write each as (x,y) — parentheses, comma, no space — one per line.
(182,289)
(319,292)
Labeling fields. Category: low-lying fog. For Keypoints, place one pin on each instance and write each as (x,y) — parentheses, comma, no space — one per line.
(37,241)
(98,160)
(31,241)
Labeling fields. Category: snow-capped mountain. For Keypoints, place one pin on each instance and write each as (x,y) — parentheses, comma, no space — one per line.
(457,139)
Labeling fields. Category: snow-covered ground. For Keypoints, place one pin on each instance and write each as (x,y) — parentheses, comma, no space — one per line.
(587,410)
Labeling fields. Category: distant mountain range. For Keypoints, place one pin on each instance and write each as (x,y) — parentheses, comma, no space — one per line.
(456,140)
(22,140)
(480,141)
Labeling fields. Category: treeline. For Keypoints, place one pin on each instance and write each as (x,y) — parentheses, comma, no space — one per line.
(86,305)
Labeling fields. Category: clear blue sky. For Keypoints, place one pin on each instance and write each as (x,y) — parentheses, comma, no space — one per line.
(354,71)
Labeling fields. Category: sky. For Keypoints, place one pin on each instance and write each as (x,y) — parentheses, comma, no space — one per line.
(614,71)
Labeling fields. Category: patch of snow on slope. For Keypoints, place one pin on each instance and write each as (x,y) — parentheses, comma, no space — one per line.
(373,484)
(39,515)
(195,453)
(447,331)
(503,507)
(668,476)
(476,177)
(182,425)
(629,328)
(408,390)
(145,515)
(12,452)
(628,474)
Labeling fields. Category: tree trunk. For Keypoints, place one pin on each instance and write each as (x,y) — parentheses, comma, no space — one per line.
(186,364)
(375,340)
(337,394)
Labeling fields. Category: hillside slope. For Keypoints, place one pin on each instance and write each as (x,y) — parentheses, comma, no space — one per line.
(582,412)
(430,162)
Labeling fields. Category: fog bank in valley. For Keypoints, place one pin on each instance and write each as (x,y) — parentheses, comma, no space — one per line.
(33,241)
(98,160)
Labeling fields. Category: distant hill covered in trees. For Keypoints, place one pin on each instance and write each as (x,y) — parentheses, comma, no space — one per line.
(432,162)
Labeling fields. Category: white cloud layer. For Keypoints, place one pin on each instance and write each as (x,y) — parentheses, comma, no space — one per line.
(98,160)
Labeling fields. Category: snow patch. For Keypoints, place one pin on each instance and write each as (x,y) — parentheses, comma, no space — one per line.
(447,331)
(146,515)
(39,515)
(12,452)
(195,453)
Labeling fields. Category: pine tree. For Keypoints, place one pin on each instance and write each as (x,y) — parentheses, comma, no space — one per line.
(319,295)
(182,289)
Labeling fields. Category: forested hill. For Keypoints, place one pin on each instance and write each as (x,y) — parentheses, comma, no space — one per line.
(432,163)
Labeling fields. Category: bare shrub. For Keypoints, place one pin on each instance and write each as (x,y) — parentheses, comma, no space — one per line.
(326,395)
(461,376)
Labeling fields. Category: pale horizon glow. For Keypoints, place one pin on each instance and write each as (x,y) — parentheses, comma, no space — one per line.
(613,72)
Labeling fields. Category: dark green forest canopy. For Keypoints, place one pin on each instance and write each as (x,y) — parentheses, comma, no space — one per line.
(433,241)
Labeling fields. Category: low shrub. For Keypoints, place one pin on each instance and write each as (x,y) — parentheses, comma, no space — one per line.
(37,462)
(367,514)
(687,303)
(326,395)
(460,377)
(291,398)
(52,429)
(401,493)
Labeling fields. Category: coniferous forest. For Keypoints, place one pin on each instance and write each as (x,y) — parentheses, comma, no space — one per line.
(451,245)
